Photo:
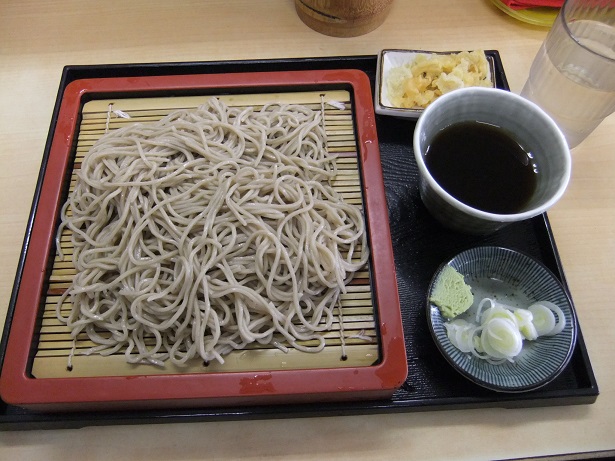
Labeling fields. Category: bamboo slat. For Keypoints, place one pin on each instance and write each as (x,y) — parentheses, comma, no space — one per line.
(352,339)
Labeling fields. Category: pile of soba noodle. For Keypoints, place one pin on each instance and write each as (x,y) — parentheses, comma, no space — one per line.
(207,231)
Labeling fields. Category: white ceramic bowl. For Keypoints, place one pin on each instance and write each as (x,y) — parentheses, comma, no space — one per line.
(389,59)
(526,121)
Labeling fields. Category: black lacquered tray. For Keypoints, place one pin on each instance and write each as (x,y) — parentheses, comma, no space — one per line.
(419,244)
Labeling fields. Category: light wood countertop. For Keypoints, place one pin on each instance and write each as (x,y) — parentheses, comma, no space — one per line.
(38,38)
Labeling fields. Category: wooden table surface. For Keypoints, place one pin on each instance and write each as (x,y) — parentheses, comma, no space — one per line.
(38,38)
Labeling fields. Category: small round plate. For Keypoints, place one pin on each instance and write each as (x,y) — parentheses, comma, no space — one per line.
(517,280)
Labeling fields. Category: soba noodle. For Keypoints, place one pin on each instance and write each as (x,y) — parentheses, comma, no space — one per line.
(207,231)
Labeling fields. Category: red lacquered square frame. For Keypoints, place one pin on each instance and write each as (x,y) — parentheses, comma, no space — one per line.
(18,387)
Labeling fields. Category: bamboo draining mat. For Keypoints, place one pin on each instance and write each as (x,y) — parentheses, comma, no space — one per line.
(355,327)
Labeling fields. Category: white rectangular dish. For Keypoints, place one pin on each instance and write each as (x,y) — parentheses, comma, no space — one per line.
(393,58)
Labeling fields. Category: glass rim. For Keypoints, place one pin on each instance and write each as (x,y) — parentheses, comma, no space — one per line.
(562,17)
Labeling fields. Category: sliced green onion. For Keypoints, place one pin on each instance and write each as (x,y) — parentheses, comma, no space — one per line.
(548,310)
(501,329)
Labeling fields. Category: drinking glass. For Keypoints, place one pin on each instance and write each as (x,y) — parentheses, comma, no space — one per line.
(572,77)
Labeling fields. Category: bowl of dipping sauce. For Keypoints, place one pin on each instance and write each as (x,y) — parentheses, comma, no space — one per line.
(487,158)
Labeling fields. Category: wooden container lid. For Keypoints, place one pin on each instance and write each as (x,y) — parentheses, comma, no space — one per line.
(343,18)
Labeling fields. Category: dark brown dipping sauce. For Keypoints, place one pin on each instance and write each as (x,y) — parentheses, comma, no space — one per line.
(482,166)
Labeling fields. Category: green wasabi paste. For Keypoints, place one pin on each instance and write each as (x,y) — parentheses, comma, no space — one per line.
(451,294)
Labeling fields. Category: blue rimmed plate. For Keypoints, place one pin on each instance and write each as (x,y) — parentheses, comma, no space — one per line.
(517,280)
